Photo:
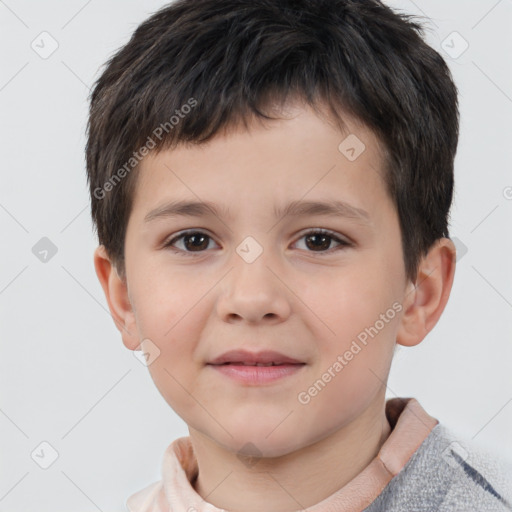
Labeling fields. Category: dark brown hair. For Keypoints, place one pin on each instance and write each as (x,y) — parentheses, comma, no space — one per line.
(196,67)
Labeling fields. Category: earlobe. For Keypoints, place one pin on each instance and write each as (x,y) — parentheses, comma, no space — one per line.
(425,301)
(116,293)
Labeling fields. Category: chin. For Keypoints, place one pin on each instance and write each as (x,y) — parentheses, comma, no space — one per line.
(258,443)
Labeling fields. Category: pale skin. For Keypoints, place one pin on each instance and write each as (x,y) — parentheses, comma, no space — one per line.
(305,302)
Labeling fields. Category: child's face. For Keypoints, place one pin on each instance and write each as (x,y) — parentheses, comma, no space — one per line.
(306,298)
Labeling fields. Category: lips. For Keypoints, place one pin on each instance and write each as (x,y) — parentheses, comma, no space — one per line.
(263,358)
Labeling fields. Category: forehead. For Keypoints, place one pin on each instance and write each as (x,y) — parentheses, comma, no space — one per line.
(300,155)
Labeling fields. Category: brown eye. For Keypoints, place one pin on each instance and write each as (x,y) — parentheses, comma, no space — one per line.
(316,241)
(193,241)
(320,241)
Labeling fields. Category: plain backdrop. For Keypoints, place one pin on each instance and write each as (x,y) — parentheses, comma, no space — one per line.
(66,378)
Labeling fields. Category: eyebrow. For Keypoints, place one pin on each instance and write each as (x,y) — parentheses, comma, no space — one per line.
(295,208)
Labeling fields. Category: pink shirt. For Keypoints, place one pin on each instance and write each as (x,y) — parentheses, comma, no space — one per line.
(410,426)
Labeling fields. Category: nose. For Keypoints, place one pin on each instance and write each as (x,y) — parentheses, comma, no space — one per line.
(253,293)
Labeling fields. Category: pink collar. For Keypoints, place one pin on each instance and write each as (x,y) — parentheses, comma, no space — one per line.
(410,426)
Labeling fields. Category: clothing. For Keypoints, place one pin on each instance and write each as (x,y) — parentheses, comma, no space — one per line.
(421,467)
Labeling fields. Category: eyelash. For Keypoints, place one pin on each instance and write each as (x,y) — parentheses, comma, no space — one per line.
(330,234)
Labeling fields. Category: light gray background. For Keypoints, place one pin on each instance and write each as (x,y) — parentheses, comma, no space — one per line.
(67,379)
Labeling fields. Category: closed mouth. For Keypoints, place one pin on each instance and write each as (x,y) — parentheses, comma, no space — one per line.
(241,363)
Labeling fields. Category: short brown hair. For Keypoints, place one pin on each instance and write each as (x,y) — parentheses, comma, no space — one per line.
(221,61)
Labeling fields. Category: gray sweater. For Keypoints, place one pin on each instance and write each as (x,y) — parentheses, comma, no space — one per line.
(447,474)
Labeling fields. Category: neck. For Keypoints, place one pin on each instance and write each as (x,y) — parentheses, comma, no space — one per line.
(293,481)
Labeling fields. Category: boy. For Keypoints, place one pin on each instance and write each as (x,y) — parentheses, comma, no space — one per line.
(271,182)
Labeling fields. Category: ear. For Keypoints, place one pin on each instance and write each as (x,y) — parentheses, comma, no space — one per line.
(425,301)
(116,293)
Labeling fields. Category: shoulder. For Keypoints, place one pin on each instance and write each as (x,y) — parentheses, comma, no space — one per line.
(448,474)
(178,465)
(145,500)
(479,480)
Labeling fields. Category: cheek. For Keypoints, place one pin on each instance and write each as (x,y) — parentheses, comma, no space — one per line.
(346,300)
(175,370)
(359,321)
(168,314)
(165,299)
